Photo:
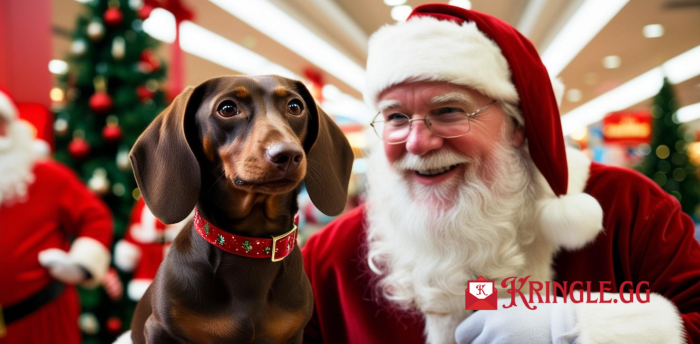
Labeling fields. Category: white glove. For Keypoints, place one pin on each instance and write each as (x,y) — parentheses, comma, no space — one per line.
(549,323)
(61,266)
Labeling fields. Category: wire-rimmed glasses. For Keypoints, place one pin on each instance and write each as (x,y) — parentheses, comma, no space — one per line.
(446,122)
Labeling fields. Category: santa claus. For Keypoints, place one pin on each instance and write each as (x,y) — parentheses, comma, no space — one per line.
(144,247)
(469,177)
(54,233)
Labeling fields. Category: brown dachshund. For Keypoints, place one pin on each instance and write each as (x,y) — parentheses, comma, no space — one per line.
(236,149)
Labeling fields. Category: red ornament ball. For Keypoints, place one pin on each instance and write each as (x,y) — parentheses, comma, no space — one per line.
(149,58)
(145,11)
(113,17)
(144,93)
(112,133)
(78,148)
(114,325)
(101,103)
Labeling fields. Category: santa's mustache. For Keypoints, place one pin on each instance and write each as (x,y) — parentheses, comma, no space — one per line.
(438,159)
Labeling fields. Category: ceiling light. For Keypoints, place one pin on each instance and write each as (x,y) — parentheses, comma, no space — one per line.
(285,30)
(160,25)
(611,61)
(645,86)
(394,2)
(688,113)
(573,95)
(585,24)
(461,3)
(653,31)
(208,45)
(59,67)
(401,13)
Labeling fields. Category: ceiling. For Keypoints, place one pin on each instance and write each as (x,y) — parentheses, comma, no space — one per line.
(347,24)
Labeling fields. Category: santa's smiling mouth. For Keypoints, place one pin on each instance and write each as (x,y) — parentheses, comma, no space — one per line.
(435,172)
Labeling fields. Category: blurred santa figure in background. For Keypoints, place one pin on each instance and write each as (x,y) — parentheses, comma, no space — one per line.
(144,247)
(54,234)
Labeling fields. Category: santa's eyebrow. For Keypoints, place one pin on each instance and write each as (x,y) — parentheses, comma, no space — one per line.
(452,97)
(388,104)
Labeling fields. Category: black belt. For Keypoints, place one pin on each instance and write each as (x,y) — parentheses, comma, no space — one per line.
(29,305)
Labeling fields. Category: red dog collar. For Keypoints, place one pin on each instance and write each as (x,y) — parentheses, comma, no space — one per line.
(276,248)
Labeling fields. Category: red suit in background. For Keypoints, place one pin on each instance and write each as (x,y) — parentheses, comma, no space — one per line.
(53,233)
(144,247)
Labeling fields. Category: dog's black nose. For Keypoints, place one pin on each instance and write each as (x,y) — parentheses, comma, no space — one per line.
(286,156)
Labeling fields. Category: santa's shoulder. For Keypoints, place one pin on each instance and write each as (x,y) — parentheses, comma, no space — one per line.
(611,184)
(339,242)
(48,168)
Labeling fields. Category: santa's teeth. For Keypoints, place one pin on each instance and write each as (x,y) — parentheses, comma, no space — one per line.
(436,171)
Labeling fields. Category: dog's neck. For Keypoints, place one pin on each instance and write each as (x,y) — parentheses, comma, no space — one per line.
(246,213)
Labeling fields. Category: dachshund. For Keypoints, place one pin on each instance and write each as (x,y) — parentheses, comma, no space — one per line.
(236,149)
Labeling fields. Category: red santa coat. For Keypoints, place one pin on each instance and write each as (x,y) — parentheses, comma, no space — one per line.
(646,238)
(59,208)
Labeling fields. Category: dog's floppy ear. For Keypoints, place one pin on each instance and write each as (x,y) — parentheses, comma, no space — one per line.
(329,159)
(164,165)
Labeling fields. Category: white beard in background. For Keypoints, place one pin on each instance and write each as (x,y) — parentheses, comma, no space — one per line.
(17,158)
(425,242)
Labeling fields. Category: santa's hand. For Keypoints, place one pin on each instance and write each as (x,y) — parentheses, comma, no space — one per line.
(61,267)
(549,323)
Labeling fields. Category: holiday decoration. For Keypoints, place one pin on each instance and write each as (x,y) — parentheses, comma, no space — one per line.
(149,62)
(113,17)
(78,47)
(145,11)
(104,74)
(668,163)
(144,248)
(88,323)
(123,162)
(144,93)
(114,325)
(111,132)
(95,30)
(99,183)
(118,48)
(79,148)
(100,103)
(61,127)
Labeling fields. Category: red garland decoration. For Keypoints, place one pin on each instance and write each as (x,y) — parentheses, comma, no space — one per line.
(101,103)
(79,148)
(113,17)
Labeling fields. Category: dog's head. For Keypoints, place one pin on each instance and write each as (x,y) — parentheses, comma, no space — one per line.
(265,133)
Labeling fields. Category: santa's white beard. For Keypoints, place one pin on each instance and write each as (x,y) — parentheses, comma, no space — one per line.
(17,158)
(426,242)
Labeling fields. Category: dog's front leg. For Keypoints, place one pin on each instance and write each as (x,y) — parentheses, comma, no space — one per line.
(156,333)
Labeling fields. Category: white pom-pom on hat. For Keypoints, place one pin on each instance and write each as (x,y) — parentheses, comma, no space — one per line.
(573,220)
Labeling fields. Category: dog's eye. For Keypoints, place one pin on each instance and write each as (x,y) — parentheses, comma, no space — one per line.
(227,108)
(295,107)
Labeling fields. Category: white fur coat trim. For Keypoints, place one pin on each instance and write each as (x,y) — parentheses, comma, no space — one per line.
(93,256)
(657,321)
(573,220)
(429,49)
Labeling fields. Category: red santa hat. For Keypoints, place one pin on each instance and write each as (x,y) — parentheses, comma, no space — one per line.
(445,43)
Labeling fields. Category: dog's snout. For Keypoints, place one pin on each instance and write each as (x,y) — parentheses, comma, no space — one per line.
(286,156)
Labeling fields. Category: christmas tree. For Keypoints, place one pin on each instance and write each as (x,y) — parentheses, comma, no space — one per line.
(668,163)
(113,91)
